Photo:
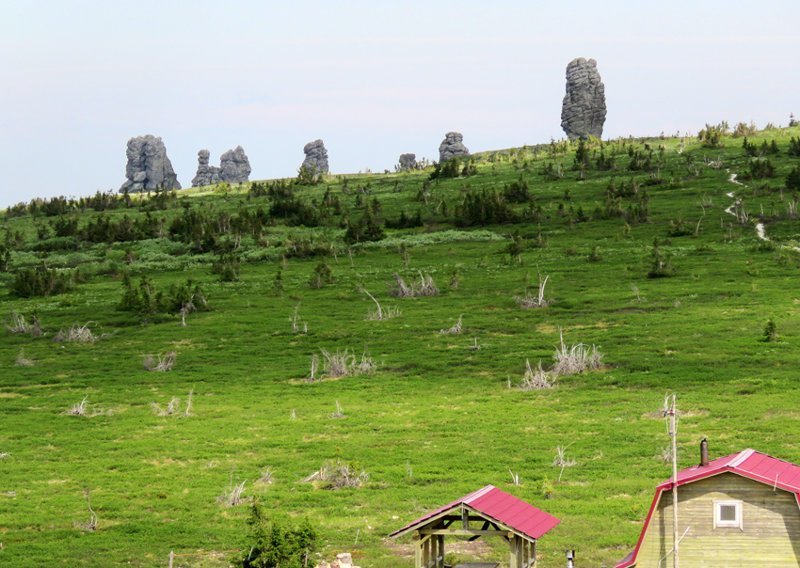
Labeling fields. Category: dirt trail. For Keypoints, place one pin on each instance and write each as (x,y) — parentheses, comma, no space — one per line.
(761,231)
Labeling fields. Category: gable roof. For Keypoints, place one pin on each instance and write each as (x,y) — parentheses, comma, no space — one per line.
(748,463)
(496,505)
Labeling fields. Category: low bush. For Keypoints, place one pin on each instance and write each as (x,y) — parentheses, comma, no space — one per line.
(41,281)
(146,301)
(276,542)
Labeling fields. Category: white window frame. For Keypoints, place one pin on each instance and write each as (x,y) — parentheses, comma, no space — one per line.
(719,523)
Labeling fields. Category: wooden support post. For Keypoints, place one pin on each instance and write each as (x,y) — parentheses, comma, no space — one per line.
(418,551)
(529,559)
(171,557)
(513,551)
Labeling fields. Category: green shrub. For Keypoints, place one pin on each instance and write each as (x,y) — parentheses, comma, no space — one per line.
(794,146)
(661,266)
(711,135)
(679,228)
(744,129)
(146,300)
(367,229)
(321,276)
(5,257)
(276,542)
(484,208)
(517,191)
(452,168)
(793,179)
(227,266)
(770,331)
(308,176)
(41,281)
(516,247)
(760,168)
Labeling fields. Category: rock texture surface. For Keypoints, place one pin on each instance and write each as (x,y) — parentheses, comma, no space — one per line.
(148,166)
(206,175)
(316,157)
(452,147)
(583,111)
(234,166)
(407,162)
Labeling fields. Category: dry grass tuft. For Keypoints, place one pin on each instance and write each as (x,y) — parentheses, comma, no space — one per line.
(232,496)
(171,409)
(91,524)
(343,364)
(577,358)
(22,361)
(365,366)
(267,476)
(380,313)
(339,412)
(538,378)
(455,329)
(339,474)
(562,461)
(20,325)
(160,363)
(299,326)
(76,334)
(425,287)
(539,301)
(79,409)
(337,364)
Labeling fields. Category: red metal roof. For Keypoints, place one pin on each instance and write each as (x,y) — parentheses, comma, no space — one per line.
(496,505)
(747,463)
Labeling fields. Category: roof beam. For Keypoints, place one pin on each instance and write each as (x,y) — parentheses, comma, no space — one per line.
(464,532)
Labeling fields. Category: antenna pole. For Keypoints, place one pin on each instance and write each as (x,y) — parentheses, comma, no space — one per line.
(672,412)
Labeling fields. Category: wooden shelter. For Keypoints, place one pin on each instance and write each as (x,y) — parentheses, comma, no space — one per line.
(485,512)
(738,510)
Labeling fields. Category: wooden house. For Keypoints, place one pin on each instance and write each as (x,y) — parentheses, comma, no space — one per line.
(738,510)
(488,511)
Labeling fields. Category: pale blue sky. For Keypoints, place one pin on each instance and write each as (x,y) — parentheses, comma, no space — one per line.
(373,79)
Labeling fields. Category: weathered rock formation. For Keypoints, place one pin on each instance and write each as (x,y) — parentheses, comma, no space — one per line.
(407,162)
(452,147)
(316,157)
(206,175)
(583,111)
(234,166)
(148,166)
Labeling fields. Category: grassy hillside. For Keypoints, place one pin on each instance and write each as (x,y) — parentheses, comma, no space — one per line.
(438,417)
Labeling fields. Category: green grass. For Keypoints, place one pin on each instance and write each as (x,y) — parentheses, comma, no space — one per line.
(437,419)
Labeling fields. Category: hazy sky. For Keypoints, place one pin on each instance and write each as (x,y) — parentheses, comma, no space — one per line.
(373,79)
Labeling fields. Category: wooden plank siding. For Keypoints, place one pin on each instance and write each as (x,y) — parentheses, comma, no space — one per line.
(770,533)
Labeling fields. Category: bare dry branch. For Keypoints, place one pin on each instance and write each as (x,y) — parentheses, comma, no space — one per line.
(160,363)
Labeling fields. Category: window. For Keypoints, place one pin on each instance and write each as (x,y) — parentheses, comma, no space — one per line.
(727,514)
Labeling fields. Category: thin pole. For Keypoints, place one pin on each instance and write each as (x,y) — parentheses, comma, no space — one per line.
(171,557)
(673,432)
